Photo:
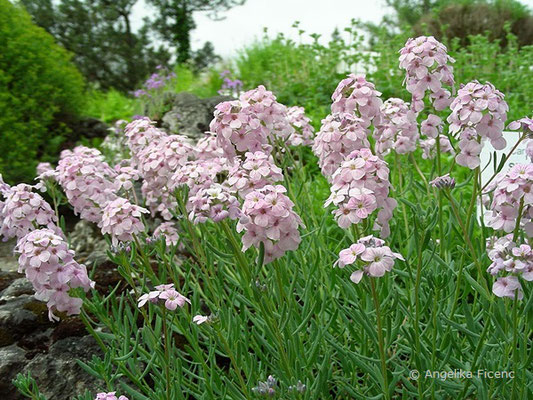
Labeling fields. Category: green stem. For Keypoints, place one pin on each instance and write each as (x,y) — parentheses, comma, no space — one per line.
(167,353)
(422,176)
(380,340)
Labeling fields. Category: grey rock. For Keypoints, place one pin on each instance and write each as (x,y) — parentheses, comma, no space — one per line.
(20,316)
(8,260)
(57,373)
(12,361)
(88,243)
(190,115)
(18,287)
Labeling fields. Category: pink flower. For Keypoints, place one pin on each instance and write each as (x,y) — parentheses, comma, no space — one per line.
(396,128)
(508,286)
(121,220)
(24,211)
(349,255)
(359,187)
(303,130)
(371,252)
(168,231)
(507,190)
(49,265)
(268,218)
(148,297)
(356,96)
(339,135)
(109,396)
(254,172)
(429,147)
(167,293)
(216,203)
(431,126)
(173,299)
(427,67)
(248,124)
(478,113)
(469,155)
(87,180)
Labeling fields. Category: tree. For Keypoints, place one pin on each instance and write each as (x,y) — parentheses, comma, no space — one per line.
(99,33)
(204,57)
(174,21)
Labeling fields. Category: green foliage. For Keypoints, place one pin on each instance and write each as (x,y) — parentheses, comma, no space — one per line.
(106,48)
(174,21)
(307,74)
(508,69)
(300,74)
(38,83)
(110,106)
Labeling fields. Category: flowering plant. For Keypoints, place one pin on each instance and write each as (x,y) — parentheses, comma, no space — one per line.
(226,246)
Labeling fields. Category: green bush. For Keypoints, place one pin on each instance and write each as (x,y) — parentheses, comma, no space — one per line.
(509,68)
(299,74)
(111,106)
(38,83)
(307,74)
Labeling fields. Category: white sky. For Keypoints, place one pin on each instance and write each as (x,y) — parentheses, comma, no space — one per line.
(245,23)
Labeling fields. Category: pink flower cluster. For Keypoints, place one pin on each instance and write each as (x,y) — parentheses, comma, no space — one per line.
(87,180)
(255,171)
(168,231)
(359,187)
(429,146)
(199,174)
(339,135)
(478,113)
(355,95)
(157,163)
(121,220)
(109,396)
(207,148)
(426,63)
(432,128)
(509,190)
(167,293)
(126,175)
(216,203)
(395,128)
(373,256)
(140,133)
(23,211)
(250,123)
(516,260)
(50,267)
(271,113)
(303,131)
(268,218)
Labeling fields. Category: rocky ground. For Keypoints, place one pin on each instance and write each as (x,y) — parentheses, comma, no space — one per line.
(29,342)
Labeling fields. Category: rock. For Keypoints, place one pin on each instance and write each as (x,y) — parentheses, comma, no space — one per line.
(12,361)
(20,316)
(88,243)
(190,115)
(57,373)
(8,260)
(18,286)
(6,278)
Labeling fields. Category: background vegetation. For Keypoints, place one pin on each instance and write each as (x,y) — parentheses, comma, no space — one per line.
(39,86)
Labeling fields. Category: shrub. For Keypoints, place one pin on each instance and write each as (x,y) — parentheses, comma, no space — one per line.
(300,74)
(110,106)
(38,83)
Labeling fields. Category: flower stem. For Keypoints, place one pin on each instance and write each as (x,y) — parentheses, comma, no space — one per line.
(380,340)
